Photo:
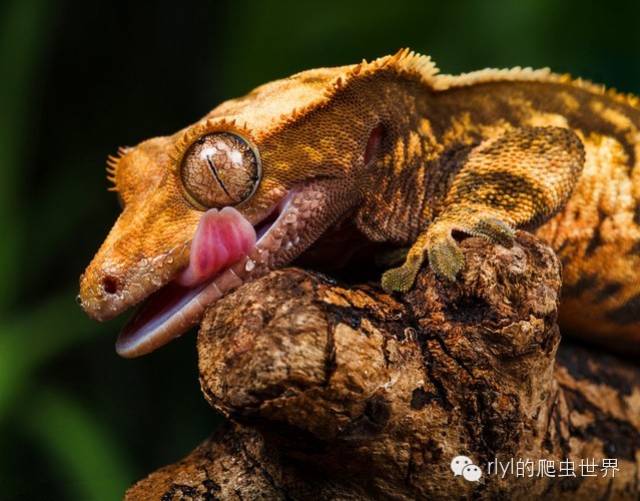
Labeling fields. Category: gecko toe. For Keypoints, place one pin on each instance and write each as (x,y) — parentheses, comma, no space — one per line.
(400,279)
(495,230)
(446,258)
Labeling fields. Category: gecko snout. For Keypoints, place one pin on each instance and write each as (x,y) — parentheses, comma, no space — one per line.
(108,288)
(100,294)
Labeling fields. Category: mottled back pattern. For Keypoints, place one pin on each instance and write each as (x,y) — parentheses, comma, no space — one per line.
(416,159)
(596,233)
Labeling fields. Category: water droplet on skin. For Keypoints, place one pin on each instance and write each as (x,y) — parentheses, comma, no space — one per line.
(250,265)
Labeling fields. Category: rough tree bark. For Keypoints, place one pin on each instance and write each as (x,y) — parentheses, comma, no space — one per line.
(337,392)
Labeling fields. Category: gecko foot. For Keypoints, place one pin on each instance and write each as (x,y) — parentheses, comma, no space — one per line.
(445,257)
(444,254)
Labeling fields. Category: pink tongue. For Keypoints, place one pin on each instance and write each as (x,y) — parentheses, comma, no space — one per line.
(221,239)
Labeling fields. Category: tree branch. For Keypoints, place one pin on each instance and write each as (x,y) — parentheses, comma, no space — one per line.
(347,392)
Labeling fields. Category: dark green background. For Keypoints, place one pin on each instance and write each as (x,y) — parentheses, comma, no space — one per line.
(78,79)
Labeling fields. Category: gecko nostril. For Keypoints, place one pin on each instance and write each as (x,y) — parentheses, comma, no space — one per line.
(110,284)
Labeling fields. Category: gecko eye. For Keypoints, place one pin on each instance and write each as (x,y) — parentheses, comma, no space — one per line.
(220,169)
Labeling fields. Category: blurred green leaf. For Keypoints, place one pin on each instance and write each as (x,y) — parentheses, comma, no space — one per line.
(22,37)
(29,339)
(83,453)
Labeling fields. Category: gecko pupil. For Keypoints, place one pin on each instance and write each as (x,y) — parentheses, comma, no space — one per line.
(220,169)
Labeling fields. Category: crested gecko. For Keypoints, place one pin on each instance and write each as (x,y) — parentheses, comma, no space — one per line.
(410,156)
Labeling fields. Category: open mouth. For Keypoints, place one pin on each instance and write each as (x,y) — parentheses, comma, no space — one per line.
(225,252)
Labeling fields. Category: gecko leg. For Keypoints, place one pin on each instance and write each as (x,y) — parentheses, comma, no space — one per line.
(518,179)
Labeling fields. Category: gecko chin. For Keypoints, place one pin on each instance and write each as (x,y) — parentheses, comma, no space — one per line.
(226,252)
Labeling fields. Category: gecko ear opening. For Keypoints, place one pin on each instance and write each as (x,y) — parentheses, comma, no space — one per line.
(374,144)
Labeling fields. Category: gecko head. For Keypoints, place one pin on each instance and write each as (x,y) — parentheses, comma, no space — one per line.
(243,191)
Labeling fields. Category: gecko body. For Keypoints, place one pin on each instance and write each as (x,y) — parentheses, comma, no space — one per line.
(412,157)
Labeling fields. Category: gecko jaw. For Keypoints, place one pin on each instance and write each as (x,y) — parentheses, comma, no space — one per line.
(175,308)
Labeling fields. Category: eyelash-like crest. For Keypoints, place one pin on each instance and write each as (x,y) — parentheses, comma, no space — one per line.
(112,167)
(198,130)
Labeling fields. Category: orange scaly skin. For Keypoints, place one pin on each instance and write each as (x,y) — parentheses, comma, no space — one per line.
(413,157)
